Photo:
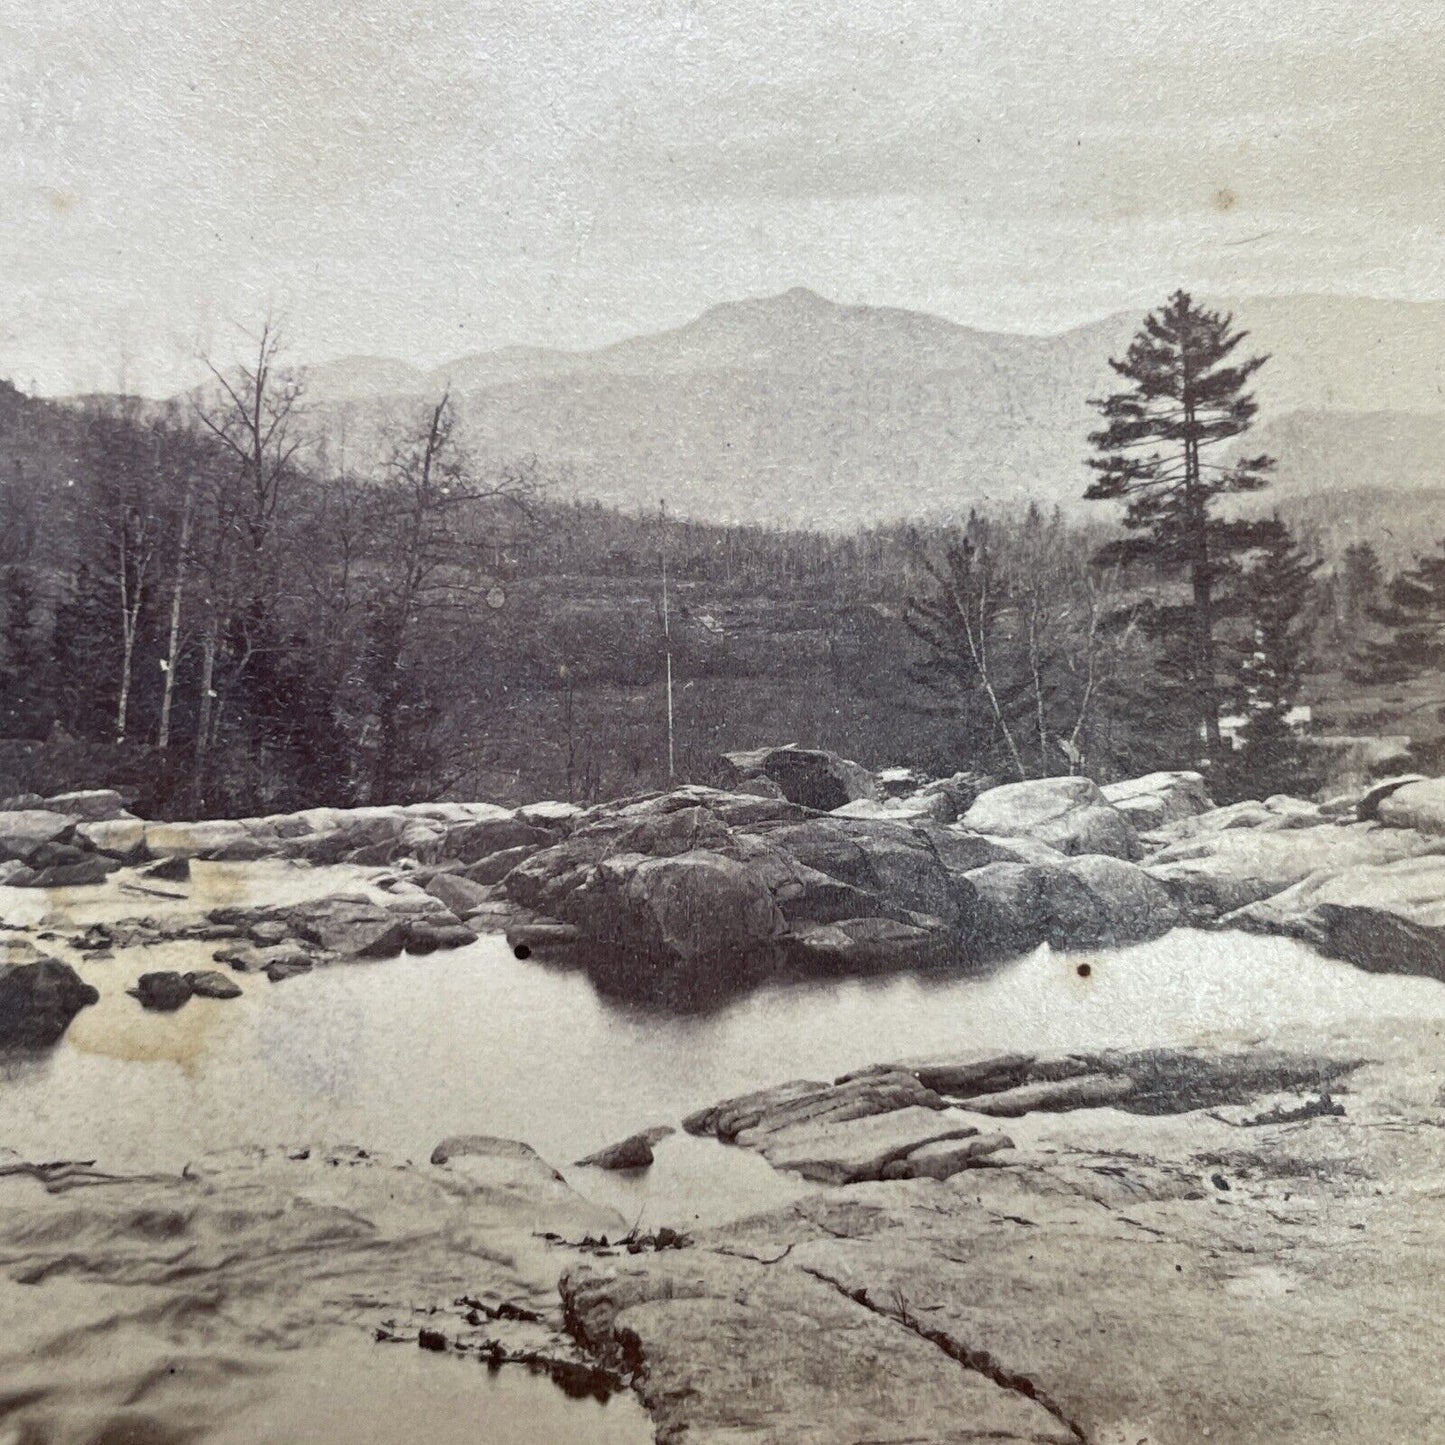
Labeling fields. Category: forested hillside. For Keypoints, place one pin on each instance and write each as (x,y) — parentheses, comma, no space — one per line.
(203,600)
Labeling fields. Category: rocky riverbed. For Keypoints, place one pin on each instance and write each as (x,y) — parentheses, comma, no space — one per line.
(1231,1241)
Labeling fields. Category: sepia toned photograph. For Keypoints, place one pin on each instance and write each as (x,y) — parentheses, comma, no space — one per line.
(722,723)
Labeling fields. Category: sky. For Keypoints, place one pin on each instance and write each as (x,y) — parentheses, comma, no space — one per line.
(425,180)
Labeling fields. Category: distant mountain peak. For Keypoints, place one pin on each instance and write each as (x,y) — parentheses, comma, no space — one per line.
(803,296)
(794,407)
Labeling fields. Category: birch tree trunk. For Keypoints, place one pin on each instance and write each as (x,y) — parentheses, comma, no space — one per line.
(173,641)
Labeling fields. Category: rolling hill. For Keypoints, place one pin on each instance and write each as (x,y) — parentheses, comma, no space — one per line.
(795,409)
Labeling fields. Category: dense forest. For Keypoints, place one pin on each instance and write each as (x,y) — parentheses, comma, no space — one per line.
(194,603)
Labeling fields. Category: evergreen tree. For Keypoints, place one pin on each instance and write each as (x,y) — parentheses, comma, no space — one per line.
(83,653)
(1276,592)
(1361,580)
(1158,453)
(22,662)
(1413,612)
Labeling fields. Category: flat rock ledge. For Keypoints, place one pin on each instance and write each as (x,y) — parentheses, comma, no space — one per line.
(900,1121)
(1241,1245)
(155,1308)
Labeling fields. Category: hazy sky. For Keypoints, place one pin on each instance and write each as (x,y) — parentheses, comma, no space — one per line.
(426,179)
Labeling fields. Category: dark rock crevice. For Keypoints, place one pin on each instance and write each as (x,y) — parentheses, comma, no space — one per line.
(980,1361)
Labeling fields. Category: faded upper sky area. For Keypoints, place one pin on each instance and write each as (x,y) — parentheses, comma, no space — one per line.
(424,180)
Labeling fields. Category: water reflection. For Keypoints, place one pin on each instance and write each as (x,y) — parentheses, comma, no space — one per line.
(378,1394)
(399,1054)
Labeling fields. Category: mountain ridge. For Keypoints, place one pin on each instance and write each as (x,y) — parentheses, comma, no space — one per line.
(800,410)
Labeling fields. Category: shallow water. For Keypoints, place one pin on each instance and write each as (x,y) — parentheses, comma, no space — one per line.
(399,1054)
(367,1395)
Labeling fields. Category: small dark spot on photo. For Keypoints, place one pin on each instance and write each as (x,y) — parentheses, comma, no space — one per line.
(1084,970)
(521,951)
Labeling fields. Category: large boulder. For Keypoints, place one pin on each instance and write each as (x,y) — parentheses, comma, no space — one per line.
(1420,806)
(897,864)
(1088,901)
(634,1152)
(695,908)
(1277,814)
(428,934)
(1387,918)
(458,894)
(116,837)
(349,926)
(1365,806)
(474,841)
(38,1001)
(555,817)
(25,830)
(809,776)
(85,870)
(495,866)
(163,992)
(1159,798)
(1133,906)
(1021,905)
(94,805)
(1070,814)
(551,881)
(208,983)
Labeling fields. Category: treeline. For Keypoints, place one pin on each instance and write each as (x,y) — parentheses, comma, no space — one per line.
(177,579)
(192,588)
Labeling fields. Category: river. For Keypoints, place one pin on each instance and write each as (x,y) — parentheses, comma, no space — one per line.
(397,1055)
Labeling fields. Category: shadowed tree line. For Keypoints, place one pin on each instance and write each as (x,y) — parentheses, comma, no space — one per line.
(194,587)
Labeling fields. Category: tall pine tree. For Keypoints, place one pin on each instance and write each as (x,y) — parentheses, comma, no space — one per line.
(1159,452)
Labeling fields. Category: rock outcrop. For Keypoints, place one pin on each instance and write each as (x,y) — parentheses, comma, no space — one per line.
(872,1123)
(1159,798)
(1417,805)
(25,831)
(701,892)
(697,893)
(1386,918)
(1189,1246)
(38,1000)
(1070,814)
(1258,850)
(725,1348)
(809,776)
(161,1307)
(338,926)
